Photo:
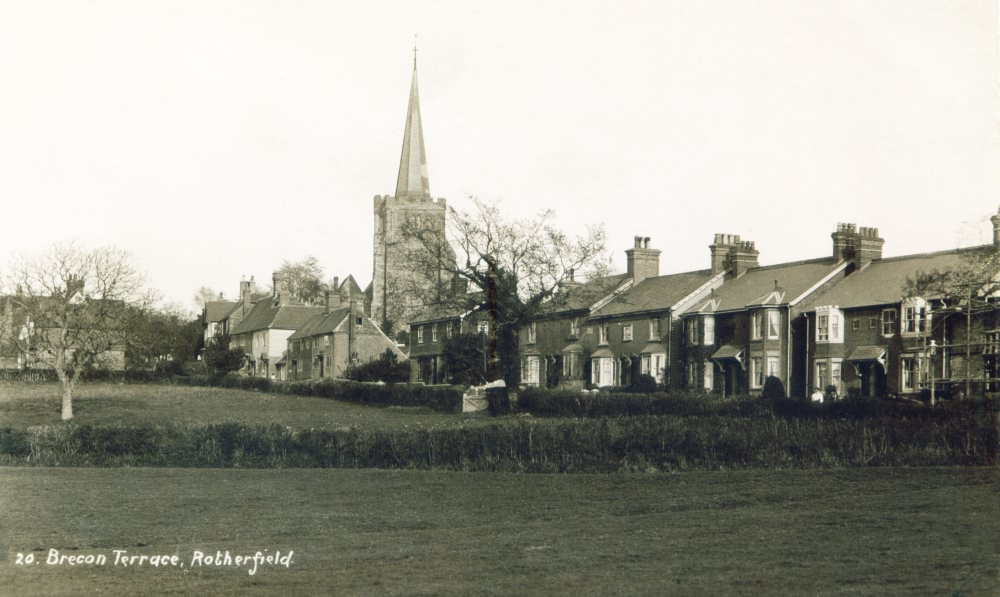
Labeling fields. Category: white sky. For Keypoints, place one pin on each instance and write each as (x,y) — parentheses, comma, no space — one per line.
(214,139)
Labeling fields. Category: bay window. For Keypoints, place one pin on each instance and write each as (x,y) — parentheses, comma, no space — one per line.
(828,328)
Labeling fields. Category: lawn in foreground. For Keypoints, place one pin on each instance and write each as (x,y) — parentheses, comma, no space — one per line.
(157,404)
(831,532)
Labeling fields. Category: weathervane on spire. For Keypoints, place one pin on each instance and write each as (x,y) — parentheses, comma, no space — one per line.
(414,51)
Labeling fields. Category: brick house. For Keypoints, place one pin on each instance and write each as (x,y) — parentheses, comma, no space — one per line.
(328,342)
(428,332)
(263,332)
(868,336)
(636,332)
(553,347)
(745,330)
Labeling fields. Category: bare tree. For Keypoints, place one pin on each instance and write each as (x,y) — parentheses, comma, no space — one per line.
(304,279)
(71,309)
(204,295)
(510,269)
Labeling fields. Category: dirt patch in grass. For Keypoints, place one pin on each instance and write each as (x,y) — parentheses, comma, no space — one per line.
(845,532)
(154,404)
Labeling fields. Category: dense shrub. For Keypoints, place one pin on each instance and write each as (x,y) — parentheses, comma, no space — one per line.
(498,401)
(375,394)
(643,384)
(681,403)
(643,443)
(773,388)
(386,368)
(220,357)
(604,404)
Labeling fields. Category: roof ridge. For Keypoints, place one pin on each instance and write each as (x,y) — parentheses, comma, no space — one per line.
(954,251)
(687,273)
(791,263)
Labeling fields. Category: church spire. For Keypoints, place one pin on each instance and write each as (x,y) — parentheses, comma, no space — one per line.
(412,182)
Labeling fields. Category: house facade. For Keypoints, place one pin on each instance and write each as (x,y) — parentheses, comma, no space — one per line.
(329,342)
(878,334)
(263,332)
(554,346)
(430,330)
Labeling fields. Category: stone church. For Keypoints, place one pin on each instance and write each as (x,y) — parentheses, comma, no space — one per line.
(409,234)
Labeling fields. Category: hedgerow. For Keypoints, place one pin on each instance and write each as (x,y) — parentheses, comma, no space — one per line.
(374,394)
(517,444)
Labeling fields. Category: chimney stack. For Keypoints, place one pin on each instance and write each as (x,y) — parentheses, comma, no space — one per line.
(869,247)
(73,285)
(996,229)
(280,291)
(643,262)
(569,282)
(863,244)
(845,240)
(732,253)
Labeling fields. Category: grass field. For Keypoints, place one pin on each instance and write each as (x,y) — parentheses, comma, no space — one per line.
(107,404)
(877,532)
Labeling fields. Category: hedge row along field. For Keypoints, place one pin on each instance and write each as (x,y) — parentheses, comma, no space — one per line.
(642,443)
(439,399)
(548,403)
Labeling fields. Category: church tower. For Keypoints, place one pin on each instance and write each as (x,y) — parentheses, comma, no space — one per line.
(401,282)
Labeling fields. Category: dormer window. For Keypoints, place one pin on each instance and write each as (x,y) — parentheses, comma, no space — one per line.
(828,325)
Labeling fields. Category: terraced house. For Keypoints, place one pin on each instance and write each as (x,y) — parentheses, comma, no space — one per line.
(431,328)
(745,330)
(330,341)
(264,331)
(554,346)
(878,333)
(636,332)
(845,320)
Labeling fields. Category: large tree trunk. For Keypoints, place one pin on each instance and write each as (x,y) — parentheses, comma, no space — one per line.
(67,401)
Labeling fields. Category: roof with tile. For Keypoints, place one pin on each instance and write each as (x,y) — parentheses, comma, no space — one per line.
(218,310)
(585,295)
(321,323)
(884,281)
(655,294)
(770,285)
(267,315)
